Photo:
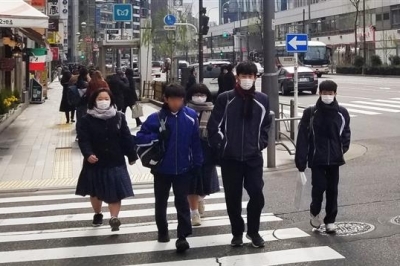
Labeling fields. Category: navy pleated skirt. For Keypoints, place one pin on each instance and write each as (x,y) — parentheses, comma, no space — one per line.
(109,184)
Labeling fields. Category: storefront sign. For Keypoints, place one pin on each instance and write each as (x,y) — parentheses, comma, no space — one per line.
(53,9)
(53,25)
(6,22)
(7,64)
(38,3)
(36,91)
(55,52)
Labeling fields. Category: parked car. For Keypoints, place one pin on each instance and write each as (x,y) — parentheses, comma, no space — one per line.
(308,80)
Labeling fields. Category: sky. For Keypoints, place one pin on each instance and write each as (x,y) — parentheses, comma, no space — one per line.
(211,5)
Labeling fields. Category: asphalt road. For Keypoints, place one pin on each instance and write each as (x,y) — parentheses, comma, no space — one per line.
(53,228)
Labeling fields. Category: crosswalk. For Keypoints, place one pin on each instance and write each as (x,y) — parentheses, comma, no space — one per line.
(370,107)
(54,228)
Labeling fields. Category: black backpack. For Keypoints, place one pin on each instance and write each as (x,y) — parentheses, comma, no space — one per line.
(151,156)
(73,96)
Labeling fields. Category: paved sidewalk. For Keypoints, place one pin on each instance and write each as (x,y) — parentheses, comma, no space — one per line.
(39,150)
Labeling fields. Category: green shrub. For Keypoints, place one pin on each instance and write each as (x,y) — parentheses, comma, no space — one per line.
(372,70)
(395,60)
(376,60)
(358,61)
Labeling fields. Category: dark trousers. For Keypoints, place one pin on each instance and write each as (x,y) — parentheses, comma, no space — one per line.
(235,175)
(180,185)
(325,179)
(67,115)
(138,122)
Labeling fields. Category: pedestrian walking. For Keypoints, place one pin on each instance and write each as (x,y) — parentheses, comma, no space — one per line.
(221,79)
(181,161)
(118,85)
(105,140)
(97,82)
(323,139)
(130,95)
(229,79)
(82,84)
(238,128)
(65,106)
(199,98)
(192,79)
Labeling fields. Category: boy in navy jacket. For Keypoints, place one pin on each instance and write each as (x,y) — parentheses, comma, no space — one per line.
(182,159)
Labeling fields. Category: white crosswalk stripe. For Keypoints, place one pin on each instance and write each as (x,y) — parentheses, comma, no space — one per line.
(364,107)
(49,229)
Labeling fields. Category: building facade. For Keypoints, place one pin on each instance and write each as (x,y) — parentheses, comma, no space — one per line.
(328,21)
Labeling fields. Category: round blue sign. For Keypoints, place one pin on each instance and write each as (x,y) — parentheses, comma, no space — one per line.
(169,20)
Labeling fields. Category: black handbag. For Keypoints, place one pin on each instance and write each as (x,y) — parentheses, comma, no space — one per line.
(151,156)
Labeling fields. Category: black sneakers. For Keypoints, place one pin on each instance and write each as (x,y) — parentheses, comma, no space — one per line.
(163,238)
(256,240)
(181,245)
(115,223)
(237,241)
(97,219)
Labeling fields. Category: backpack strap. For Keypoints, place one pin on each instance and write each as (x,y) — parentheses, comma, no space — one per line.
(311,123)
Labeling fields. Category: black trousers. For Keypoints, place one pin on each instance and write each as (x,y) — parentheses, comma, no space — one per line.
(325,179)
(235,176)
(180,185)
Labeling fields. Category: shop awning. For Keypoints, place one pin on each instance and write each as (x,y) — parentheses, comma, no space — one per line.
(18,14)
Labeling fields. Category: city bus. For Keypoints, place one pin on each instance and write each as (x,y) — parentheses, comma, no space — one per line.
(317,57)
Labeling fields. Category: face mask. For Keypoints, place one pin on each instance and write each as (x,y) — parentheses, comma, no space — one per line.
(225,71)
(246,84)
(104,104)
(327,99)
(199,99)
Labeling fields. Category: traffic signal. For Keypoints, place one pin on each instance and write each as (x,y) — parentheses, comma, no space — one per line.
(204,22)
(225,35)
(221,54)
(82,57)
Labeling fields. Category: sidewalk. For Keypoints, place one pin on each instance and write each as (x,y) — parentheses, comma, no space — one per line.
(38,150)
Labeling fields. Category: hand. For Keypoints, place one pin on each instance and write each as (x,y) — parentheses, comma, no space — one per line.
(301,169)
(92,159)
(132,163)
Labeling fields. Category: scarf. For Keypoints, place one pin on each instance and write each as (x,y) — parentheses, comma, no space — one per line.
(247,96)
(103,114)
(328,113)
(204,110)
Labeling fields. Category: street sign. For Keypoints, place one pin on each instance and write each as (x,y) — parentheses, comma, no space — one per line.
(169,20)
(113,31)
(178,3)
(166,27)
(96,47)
(122,12)
(296,43)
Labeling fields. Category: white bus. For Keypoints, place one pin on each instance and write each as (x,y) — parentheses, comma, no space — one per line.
(317,57)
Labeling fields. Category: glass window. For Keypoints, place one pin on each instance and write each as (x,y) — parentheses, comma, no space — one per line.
(378,17)
(395,12)
(316,53)
(386,16)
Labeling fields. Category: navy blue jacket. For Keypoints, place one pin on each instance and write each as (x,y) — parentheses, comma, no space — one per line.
(183,147)
(326,140)
(235,136)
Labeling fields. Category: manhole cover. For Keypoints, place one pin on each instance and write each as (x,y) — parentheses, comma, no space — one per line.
(350,228)
(396,220)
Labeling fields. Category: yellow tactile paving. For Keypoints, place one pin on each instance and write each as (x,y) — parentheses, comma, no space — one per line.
(62,168)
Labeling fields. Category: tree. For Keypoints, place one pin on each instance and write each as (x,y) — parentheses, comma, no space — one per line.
(356,4)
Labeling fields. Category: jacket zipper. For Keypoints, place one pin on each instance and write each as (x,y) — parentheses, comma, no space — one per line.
(329,152)
(176,144)
(243,140)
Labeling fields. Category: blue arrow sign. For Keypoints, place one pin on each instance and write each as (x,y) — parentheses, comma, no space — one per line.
(169,20)
(296,43)
(122,12)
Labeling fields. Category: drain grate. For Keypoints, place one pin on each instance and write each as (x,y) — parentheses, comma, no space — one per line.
(350,228)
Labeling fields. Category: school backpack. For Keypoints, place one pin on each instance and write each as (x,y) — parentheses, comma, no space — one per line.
(73,96)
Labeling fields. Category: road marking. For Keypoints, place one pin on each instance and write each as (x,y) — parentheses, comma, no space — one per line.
(382,88)
(362,112)
(135,247)
(126,229)
(371,108)
(378,104)
(89,216)
(270,258)
(82,205)
(398,99)
(387,101)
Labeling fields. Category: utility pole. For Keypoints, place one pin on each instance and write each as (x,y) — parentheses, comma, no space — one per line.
(240,31)
(364,41)
(211,45)
(269,83)
(200,42)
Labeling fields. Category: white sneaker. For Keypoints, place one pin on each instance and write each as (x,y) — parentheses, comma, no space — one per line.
(315,221)
(202,207)
(196,220)
(331,228)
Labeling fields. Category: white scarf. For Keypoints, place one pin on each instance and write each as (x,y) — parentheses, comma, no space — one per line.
(103,114)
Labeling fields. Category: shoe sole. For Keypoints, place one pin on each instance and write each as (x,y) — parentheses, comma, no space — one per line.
(115,225)
(183,248)
(196,224)
(330,232)
(314,226)
(97,225)
(166,241)
(237,245)
(255,246)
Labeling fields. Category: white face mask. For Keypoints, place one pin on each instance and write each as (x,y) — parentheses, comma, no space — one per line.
(246,84)
(103,104)
(327,99)
(225,71)
(199,99)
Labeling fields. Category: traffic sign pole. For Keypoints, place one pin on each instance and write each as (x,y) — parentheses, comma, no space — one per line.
(296,93)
